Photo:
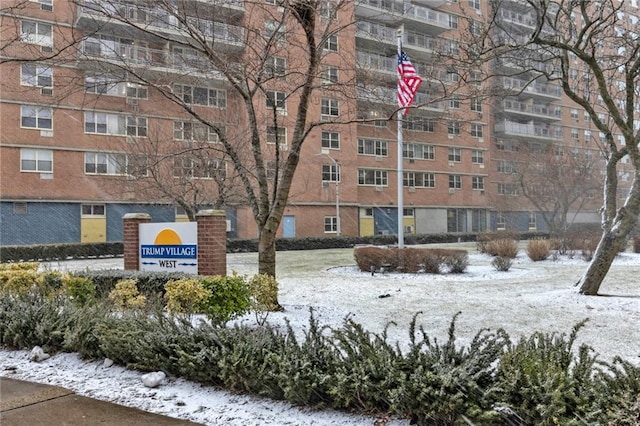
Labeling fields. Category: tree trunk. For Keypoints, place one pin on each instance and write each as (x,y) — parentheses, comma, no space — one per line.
(267,253)
(606,252)
(611,242)
(267,260)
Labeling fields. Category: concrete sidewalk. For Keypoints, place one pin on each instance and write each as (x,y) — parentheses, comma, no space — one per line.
(32,404)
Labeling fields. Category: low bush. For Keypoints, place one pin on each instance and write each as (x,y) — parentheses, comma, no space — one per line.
(126,296)
(485,238)
(150,284)
(82,291)
(502,264)
(503,248)
(264,296)
(228,297)
(185,296)
(538,250)
(410,260)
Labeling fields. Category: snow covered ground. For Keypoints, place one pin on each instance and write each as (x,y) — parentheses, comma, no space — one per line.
(529,297)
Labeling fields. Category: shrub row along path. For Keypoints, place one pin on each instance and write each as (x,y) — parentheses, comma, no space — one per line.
(529,297)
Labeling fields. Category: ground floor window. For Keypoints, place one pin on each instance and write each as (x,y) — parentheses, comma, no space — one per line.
(456,220)
(330,224)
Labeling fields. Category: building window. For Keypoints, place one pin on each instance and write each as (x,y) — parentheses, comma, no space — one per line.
(455,154)
(99,163)
(330,140)
(419,150)
(20,208)
(574,134)
(477,182)
(331,173)
(275,31)
(372,147)
(197,132)
(478,220)
(277,134)
(419,179)
(330,224)
(407,212)
(419,124)
(329,108)
(201,96)
(372,177)
(92,210)
(474,4)
(476,105)
(507,189)
(507,167)
(454,103)
(331,43)
(453,21)
(277,101)
(477,156)
(532,221)
(135,90)
(136,126)
(455,182)
(476,130)
(329,74)
(36,33)
(45,4)
(328,10)
(453,127)
(199,168)
(501,222)
(32,117)
(36,75)
(275,67)
(36,160)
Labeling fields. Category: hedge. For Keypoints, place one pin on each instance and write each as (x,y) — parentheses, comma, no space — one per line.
(50,252)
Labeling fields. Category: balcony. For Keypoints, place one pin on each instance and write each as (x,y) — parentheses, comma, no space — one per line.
(529,130)
(394,14)
(549,112)
(95,51)
(370,35)
(543,90)
(117,16)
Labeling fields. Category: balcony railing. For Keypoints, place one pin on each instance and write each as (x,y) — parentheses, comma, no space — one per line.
(532,108)
(160,18)
(136,56)
(380,32)
(544,89)
(529,130)
(398,10)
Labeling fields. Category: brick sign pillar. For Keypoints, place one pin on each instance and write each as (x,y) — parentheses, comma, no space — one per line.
(131,238)
(212,242)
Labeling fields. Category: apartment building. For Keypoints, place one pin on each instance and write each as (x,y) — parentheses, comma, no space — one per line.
(78,133)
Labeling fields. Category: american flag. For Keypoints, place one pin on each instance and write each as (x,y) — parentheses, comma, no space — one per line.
(408,81)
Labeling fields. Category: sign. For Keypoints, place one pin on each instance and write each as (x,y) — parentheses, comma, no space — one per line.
(169,247)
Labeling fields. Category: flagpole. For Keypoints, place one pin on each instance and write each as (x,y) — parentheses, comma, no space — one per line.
(400,170)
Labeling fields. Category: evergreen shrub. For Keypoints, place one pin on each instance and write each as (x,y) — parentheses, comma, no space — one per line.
(541,379)
(82,291)
(126,296)
(229,297)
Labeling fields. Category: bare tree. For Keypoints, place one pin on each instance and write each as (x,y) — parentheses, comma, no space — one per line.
(557,180)
(268,61)
(592,50)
